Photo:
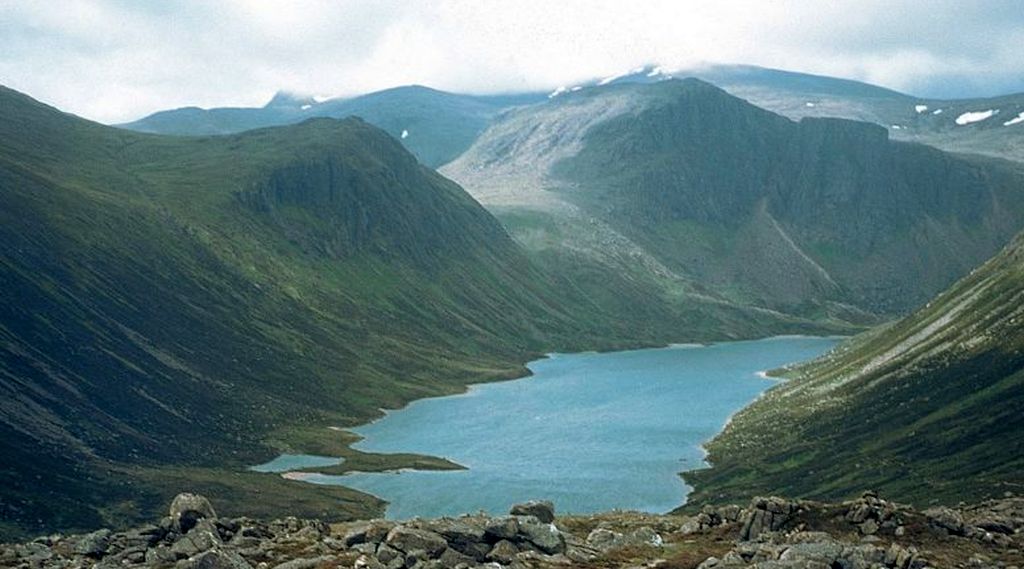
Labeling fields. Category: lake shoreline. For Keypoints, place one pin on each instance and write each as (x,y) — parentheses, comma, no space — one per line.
(356,438)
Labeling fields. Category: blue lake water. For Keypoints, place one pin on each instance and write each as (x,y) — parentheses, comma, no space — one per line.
(589,431)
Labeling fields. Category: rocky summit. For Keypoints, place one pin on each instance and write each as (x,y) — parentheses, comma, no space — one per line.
(866,533)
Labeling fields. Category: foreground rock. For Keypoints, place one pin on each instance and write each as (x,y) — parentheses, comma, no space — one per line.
(542,510)
(188,509)
(867,533)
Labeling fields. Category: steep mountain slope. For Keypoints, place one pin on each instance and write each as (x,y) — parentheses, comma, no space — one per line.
(682,185)
(172,305)
(927,409)
(980,126)
(434,125)
(173,301)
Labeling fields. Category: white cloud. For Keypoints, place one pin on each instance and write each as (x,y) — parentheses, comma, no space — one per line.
(115,60)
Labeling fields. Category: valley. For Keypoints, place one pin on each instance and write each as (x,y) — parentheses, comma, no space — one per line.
(177,308)
(201,291)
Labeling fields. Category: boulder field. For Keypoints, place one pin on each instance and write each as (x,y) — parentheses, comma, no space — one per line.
(866,533)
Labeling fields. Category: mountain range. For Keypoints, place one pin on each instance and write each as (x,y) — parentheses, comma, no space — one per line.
(989,126)
(682,182)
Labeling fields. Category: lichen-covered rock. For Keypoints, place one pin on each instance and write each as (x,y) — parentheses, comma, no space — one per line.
(387,554)
(94,544)
(603,538)
(543,510)
(504,527)
(545,536)
(465,535)
(452,558)
(306,562)
(946,519)
(409,540)
(370,532)
(202,537)
(367,562)
(766,514)
(187,509)
(606,540)
(217,559)
(503,552)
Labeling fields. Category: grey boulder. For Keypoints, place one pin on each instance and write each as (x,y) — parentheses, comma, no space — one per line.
(543,510)
(408,540)
(187,509)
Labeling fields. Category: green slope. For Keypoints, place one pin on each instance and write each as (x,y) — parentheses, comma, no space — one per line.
(925,410)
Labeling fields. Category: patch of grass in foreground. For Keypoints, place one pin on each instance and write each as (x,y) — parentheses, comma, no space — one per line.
(262,495)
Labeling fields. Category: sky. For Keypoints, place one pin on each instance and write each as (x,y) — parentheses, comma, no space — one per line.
(118,60)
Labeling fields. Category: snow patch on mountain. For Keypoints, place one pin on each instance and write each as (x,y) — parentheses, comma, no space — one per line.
(1016,120)
(974,116)
(611,78)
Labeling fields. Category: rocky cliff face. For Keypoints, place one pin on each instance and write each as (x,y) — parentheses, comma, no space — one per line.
(367,195)
(690,169)
(817,217)
(868,533)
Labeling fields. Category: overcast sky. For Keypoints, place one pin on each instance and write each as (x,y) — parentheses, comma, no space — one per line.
(117,60)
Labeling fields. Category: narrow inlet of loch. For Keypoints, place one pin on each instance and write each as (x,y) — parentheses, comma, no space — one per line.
(589,431)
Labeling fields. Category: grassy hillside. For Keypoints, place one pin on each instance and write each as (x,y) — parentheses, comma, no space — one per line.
(925,410)
(173,307)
